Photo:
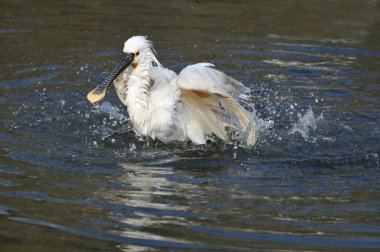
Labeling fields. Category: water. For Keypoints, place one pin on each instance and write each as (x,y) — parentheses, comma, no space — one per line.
(76,177)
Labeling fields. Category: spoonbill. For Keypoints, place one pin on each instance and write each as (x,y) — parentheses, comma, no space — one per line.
(198,102)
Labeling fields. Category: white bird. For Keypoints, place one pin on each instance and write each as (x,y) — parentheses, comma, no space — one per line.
(198,102)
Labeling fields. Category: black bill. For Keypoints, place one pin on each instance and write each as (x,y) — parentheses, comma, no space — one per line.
(100,91)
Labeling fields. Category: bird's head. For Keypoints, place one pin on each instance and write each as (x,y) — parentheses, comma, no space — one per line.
(138,47)
(137,50)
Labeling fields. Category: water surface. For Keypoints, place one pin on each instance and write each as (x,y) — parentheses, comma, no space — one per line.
(76,177)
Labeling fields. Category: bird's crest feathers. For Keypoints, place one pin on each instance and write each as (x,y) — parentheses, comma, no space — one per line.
(136,44)
(141,43)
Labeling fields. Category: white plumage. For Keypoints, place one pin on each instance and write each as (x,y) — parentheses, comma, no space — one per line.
(198,102)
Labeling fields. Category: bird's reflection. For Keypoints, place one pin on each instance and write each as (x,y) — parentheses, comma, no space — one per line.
(153,199)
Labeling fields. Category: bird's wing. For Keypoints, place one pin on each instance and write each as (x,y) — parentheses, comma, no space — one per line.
(158,74)
(204,77)
(211,105)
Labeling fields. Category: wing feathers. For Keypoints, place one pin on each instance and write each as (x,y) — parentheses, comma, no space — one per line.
(210,99)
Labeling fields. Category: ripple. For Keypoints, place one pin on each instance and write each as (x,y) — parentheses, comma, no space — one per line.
(6,210)
(10,31)
(318,241)
(122,239)
(8,183)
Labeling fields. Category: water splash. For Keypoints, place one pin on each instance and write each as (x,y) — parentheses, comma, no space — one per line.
(306,124)
(112,111)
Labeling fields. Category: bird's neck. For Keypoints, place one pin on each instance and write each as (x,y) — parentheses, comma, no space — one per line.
(137,97)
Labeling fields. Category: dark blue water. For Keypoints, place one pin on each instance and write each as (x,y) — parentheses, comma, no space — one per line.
(75,177)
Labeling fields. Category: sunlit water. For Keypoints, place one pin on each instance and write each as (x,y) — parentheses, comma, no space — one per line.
(77,178)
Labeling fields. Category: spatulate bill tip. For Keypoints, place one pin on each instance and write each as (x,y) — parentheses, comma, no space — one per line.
(95,97)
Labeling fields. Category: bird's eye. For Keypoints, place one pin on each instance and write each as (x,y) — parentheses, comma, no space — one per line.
(137,54)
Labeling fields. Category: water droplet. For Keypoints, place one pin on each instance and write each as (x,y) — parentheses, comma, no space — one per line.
(133,147)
